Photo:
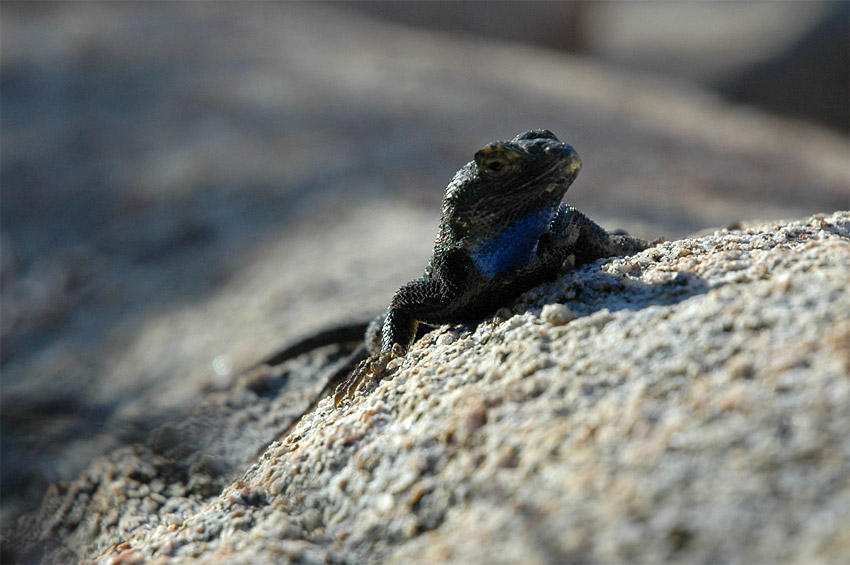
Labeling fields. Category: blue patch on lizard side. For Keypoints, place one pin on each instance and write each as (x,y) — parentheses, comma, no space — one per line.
(514,246)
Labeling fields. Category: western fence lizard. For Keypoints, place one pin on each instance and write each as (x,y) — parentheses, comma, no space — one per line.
(503,230)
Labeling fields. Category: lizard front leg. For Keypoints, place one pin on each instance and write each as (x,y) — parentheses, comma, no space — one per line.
(573,233)
(411,303)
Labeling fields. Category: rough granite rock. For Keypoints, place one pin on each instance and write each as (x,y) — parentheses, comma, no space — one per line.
(690,404)
(187,185)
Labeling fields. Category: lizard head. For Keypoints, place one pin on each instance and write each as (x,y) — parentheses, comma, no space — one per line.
(508,180)
(533,163)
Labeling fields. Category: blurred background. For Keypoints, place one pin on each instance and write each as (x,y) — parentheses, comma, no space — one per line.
(186,186)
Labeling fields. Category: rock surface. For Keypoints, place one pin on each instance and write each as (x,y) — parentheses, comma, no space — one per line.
(187,185)
(690,403)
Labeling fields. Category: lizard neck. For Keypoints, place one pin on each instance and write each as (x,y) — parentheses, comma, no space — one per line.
(515,245)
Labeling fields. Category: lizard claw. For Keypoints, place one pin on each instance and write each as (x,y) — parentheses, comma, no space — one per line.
(368,372)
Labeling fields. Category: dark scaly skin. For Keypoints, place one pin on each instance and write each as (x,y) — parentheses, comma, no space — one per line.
(503,230)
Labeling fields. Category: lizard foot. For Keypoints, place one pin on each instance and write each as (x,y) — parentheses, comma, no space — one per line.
(368,372)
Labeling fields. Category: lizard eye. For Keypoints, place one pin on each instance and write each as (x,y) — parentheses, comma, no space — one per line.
(494,165)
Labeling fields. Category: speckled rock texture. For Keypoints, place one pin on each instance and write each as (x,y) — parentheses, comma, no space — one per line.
(687,404)
(188,185)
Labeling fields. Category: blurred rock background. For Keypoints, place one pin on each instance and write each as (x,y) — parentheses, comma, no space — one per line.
(186,186)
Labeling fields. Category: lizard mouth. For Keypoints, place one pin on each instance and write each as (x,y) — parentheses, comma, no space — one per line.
(573,166)
(564,170)
(554,180)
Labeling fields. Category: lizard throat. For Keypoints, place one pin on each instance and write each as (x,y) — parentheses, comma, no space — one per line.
(513,246)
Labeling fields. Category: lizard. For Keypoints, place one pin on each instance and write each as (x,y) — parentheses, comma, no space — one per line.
(503,230)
